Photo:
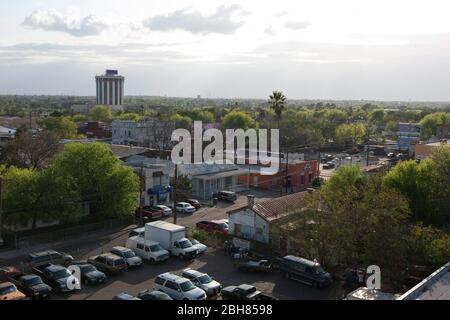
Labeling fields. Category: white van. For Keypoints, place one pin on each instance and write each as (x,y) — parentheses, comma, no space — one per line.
(147,249)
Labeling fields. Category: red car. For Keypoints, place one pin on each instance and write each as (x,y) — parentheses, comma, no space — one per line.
(213,226)
(6,272)
(150,212)
(195,203)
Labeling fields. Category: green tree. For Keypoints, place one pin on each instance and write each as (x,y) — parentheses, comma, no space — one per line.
(182,122)
(237,120)
(80,118)
(63,127)
(110,188)
(100,113)
(430,122)
(353,133)
(129,116)
(277,102)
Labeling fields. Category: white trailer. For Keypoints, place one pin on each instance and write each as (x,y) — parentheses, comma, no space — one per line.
(171,237)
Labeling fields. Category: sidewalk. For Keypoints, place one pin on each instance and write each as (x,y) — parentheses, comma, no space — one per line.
(14,256)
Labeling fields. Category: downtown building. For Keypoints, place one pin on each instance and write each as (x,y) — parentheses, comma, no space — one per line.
(110,89)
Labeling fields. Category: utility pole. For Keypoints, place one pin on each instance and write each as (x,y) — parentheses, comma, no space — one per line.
(287,169)
(141,198)
(281,175)
(175,195)
(367,146)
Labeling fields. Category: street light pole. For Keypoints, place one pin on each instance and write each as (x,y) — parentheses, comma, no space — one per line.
(141,198)
(175,195)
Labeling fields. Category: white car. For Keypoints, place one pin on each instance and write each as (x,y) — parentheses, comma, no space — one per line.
(167,211)
(178,288)
(184,207)
(203,281)
(201,248)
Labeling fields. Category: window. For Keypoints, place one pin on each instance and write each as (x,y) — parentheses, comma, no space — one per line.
(159,281)
(310,177)
(172,285)
(302,179)
(140,246)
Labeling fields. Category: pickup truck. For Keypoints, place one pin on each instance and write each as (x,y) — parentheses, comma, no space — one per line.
(244,292)
(150,212)
(57,277)
(251,265)
(31,285)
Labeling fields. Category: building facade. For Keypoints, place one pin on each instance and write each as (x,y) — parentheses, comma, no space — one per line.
(150,133)
(110,89)
(408,135)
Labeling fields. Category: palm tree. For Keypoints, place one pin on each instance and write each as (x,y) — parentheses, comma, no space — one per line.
(277,102)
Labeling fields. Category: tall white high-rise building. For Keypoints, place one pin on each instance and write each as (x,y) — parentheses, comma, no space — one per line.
(110,89)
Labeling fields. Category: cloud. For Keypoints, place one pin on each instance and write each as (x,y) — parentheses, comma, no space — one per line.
(52,20)
(269,31)
(297,25)
(223,21)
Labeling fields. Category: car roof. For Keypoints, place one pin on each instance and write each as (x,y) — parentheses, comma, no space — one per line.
(54,268)
(183,203)
(139,229)
(120,248)
(42,253)
(193,272)
(246,287)
(5,284)
(173,277)
(229,192)
(301,260)
(109,255)
(29,276)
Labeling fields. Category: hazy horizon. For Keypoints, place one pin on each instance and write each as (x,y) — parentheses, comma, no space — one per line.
(312,50)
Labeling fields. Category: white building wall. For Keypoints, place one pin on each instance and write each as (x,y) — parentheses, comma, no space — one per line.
(252,226)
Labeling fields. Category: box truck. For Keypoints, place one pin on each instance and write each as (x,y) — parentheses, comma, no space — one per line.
(172,238)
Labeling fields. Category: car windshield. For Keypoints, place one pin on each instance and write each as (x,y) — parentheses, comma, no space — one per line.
(194,242)
(204,279)
(187,286)
(129,254)
(63,273)
(185,244)
(6,290)
(33,281)
(155,248)
(223,226)
(87,269)
(119,262)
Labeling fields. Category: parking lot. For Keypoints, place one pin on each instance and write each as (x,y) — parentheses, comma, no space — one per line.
(214,262)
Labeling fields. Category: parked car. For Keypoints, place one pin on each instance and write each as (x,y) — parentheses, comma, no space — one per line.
(125,296)
(130,257)
(184,207)
(329,165)
(391,155)
(195,203)
(137,232)
(108,263)
(149,212)
(244,292)
(90,275)
(213,226)
(57,277)
(31,285)
(147,249)
(167,211)
(153,295)
(45,257)
(8,271)
(252,265)
(228,196)
(2,242)
(201,248)
(178,288)
(203,281)
(8,291)
(305,271)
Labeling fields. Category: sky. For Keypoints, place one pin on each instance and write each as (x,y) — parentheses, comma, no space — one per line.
(309,49)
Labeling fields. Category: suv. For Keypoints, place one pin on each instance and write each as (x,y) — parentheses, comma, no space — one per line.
(108,263)
(213,226)
(45,257)
(178,288)
(304,271)
(228,196)
(130,257)
(203,281)
(137,232)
